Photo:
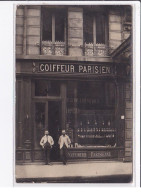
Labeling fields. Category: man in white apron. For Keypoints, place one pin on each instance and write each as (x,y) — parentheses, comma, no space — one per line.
(64,142)
(47,143)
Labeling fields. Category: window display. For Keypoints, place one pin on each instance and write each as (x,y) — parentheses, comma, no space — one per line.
(90,115)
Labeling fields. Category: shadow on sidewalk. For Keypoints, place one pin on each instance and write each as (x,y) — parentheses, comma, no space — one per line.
(101,179)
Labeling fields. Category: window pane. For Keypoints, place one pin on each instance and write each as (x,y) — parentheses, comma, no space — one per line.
(41,88)
(47,24)
(47,88)
(95,121)
(59,25)
(93,97)
(39,123)
(100,29)
(88,28)
(53,88)
(70,105)
(110,94)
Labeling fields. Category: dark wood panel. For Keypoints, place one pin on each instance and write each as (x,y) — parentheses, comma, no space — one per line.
(74,154)
(77,154)
(103,154)
(121,154)
(27,113)
(19,156)
(38,155)
(27,156)
(19,111)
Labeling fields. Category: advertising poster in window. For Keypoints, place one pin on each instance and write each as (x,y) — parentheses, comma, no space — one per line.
(74,93)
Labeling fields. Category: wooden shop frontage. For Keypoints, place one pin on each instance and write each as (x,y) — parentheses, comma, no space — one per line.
(84,98)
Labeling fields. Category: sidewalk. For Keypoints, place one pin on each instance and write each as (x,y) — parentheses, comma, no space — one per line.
(75,172)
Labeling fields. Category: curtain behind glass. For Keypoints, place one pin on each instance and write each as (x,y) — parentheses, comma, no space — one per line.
(100,29)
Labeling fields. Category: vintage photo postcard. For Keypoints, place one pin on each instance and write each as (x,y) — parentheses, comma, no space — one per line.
(74,93)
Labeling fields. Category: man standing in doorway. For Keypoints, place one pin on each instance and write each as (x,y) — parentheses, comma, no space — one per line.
(64,142)
(47,143)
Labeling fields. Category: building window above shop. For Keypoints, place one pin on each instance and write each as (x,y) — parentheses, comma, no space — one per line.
(47,25)
(53,31)
(95,34)
(53,25)
(100,29)
(59,26)
(88,28)
(94,28)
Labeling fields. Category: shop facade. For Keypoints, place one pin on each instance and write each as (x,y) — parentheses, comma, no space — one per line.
(74,84)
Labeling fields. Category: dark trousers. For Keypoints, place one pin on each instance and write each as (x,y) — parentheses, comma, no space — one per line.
(64,154)
(47,155)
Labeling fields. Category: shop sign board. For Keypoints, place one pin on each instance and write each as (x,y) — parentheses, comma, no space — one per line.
(93,154)
(96,69)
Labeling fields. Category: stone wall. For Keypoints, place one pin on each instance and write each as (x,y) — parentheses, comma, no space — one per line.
(115,29)
(33,30)
(128,122)
(75,31)
(19,29)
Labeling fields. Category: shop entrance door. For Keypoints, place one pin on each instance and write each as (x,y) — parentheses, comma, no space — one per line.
(54,126)
(47,117)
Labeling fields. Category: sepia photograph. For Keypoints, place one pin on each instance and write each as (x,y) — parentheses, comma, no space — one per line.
(74,93)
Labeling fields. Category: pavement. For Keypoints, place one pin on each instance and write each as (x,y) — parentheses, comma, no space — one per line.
(82,172)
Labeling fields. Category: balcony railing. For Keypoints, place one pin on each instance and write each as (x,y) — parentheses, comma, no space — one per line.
(96,50)
(89,49)
(58,48)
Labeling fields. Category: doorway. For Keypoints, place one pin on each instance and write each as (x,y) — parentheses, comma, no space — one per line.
(54,126)
(47,116)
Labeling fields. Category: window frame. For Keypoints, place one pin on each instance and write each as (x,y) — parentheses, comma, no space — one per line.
(95,15)
(53,24)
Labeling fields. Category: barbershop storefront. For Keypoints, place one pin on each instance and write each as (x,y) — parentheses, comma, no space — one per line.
(85,99)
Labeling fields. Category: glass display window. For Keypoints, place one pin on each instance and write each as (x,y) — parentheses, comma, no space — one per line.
(89,113)
(90,95)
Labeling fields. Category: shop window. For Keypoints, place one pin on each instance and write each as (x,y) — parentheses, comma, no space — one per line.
(53,31)
(110,94)
(88,114)
(47,88)
(92,95)
(70,105)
